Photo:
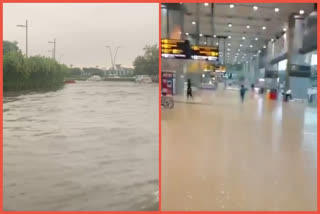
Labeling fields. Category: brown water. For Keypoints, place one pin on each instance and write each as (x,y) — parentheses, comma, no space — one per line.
(219,154)
(88,146)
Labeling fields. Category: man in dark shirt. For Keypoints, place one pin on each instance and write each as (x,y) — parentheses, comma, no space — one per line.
(242,92)
(189,89)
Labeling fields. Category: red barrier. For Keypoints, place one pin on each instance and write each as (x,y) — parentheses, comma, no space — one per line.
(273,95)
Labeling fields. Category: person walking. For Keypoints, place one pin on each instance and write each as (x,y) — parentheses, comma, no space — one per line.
(252,87)
(189,89)
(242,93)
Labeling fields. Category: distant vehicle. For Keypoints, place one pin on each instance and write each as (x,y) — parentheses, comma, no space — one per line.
(143,79)
(69,81)
(95,78)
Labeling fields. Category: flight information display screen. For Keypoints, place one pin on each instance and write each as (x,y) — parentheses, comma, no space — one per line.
(174,48)
(204,53)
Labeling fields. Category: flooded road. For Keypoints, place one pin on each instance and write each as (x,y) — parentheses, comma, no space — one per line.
(88,146)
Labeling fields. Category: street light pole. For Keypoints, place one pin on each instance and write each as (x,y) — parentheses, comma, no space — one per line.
(25,26)
(50,51)
(54,48)
(60,59)
(107,46)
(115,55)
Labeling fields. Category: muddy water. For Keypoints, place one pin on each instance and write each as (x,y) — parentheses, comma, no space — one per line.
(221,155)
(88,146)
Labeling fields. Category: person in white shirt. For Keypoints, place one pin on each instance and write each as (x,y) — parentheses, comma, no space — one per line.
(288,95)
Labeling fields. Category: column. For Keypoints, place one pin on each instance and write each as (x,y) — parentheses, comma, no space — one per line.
(298,71)
(197,36)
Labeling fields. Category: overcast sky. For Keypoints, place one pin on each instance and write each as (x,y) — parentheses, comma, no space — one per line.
(82,30)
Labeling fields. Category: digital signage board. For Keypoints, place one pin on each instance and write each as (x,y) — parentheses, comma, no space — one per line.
(174,48)
(204,53)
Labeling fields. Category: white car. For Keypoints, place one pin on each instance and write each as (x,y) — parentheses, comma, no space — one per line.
(143,79)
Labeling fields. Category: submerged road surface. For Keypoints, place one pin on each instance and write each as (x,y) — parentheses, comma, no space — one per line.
(88,146)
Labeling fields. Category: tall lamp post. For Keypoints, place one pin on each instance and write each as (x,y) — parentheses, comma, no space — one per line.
(115,55)
(50,51)
(111,56)
(60,59)
(108,47)
(54,48)
(25,26)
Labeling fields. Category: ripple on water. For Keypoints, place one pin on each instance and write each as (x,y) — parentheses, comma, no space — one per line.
(87,141)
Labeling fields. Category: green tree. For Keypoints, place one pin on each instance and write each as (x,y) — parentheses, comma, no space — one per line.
(148,64)
(13,71)
(36,72)
(93,71)
(140,64)
(10,47)
(74,72)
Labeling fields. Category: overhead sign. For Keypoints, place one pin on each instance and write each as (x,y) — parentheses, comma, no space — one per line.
(209,68)
(174,48)
(271,74)
(300,71)
(221,69)
(204,53)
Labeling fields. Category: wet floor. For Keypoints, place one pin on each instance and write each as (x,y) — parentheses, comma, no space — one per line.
(220,155)
(88,146)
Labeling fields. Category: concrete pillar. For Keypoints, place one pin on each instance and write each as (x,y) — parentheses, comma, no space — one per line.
(212,23)
(182,24)
(164,23)
(197,36)
(297,78)
(252,71)
(172,25)
(271,70)
(175,30)
(180,77)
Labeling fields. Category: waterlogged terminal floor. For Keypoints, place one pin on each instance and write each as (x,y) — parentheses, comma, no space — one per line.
(220,155)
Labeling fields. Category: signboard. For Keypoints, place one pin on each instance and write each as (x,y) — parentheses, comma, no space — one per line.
(167,82)
(271,74)
(204,53)
(221,69)
(175,48)
(209,68)
(300,71)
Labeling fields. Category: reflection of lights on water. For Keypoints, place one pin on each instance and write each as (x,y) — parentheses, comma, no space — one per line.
(278,114)
(276,127)
(310,116)
(260,107)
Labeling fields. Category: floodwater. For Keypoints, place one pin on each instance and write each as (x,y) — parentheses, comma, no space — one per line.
(88,146)
(221,155)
